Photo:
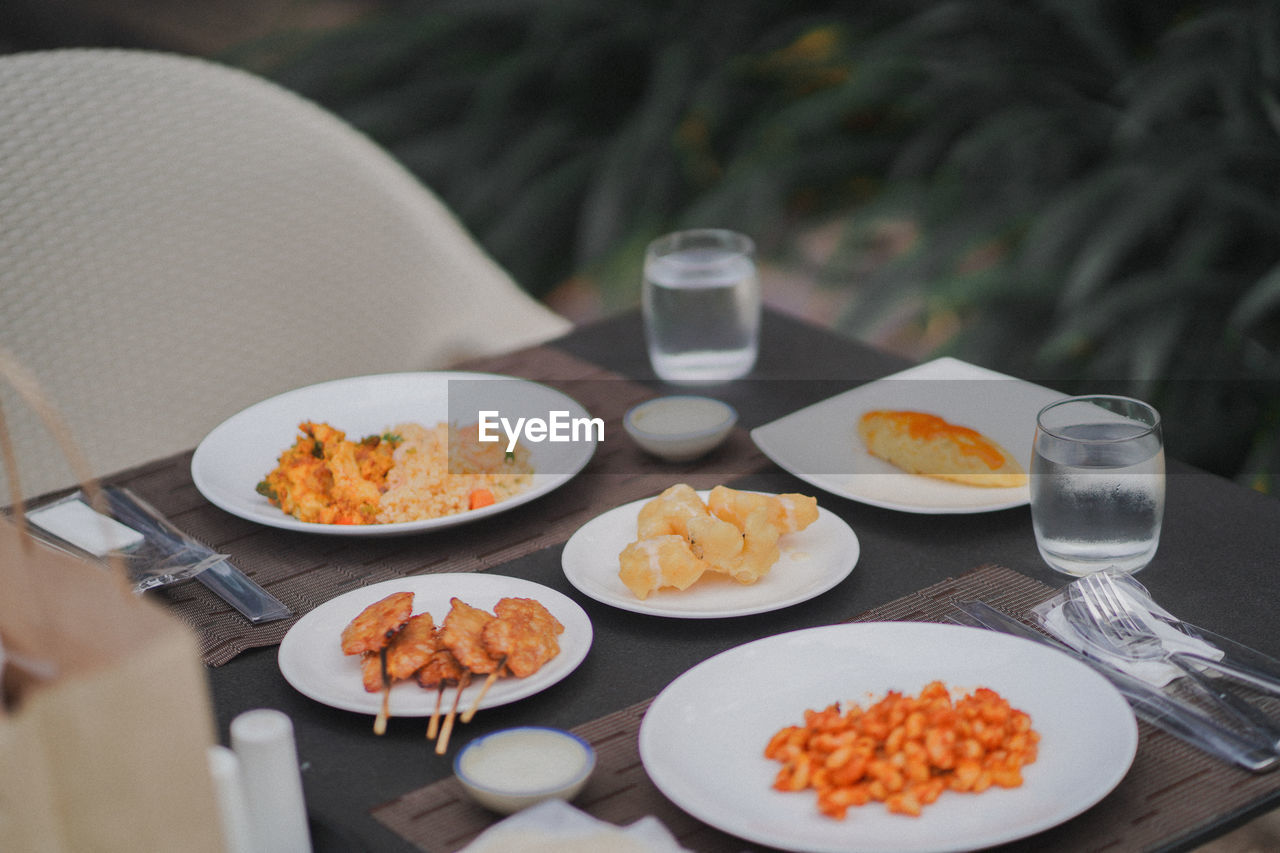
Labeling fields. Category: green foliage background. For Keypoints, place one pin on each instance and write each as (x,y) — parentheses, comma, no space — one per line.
(1092,188)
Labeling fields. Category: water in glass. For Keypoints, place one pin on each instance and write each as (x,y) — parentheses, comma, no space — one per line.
(1097,496)
(702,313)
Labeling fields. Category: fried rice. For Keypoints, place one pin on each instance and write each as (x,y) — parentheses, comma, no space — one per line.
(437,470)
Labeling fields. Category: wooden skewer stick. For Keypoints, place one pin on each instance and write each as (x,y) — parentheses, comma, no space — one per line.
(380,722)
(433,727)
(442,743)
(488,682)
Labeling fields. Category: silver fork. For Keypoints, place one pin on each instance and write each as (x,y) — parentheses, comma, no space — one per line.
(1138,594)
(1110,626)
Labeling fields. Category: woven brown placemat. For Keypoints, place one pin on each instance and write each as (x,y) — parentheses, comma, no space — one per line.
(1171,790)
(304,570)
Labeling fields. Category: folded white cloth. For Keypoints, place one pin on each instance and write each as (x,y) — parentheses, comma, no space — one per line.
(1155,672)
(554,826)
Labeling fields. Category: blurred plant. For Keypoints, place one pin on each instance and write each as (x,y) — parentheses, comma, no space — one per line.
(1097,188)
(1091,189)
(567,133)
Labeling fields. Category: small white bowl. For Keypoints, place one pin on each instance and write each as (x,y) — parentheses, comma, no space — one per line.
(680,427)
(512,769)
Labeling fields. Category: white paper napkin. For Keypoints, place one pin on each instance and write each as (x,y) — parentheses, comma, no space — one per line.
(1155,672)
(554,826)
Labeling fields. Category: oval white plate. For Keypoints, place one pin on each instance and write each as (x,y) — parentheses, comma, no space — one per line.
(820,443)
(311,657)
(229,463)
(813,561)
(702,740)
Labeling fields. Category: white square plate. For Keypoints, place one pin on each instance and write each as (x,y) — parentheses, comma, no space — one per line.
(820,443)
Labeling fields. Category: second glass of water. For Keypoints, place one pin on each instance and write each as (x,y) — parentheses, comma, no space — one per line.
(1097,484)
(701,305)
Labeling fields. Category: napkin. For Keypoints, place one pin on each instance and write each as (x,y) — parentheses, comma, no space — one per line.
(1051,616)
(84,527)
(554,826)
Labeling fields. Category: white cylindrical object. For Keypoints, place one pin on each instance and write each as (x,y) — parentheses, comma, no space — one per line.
(263,742)
(228,787)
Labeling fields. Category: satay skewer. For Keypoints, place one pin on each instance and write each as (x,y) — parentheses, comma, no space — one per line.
(380,721)
(442,743)
(433,727)
(488,682)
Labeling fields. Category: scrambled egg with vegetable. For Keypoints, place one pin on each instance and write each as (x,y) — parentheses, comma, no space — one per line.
(327,479)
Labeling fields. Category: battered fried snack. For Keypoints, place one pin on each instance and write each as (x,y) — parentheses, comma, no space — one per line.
(921,443)
(373,627)
(670,512)
(905,751)
(745,554)
(523,634)
(734,533)
(788,512)
(659,561)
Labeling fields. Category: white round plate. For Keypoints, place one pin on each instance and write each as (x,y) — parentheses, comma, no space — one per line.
(234,457)
(813,561)
(311,657)
(820,443)
(702,740)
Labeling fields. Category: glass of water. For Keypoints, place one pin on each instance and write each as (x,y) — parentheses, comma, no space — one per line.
(701,305)
(1097,484)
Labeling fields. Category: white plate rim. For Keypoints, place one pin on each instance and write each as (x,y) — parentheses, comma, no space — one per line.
(577,560)
(670,763)
(945,497)
(317,634)
(210,453)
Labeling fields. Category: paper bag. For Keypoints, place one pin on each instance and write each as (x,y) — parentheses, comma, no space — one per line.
(105,721)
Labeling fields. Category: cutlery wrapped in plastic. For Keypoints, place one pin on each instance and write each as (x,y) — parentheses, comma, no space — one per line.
(1151,704)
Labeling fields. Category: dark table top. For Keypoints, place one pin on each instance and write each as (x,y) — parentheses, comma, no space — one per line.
(1215,567)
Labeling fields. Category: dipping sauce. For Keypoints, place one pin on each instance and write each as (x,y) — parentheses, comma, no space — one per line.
(680,415)
(525,761)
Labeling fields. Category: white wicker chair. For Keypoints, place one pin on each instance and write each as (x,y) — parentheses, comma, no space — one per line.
(179,239)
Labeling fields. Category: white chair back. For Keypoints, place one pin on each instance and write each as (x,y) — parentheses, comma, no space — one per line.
(180,239)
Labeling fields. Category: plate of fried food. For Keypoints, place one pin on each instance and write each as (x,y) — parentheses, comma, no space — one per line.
(435,646)
(710,554)
(395,453)
(945,436)
(887,736)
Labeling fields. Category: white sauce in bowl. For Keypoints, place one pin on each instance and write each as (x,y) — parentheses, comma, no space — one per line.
(680,415)
(524,761)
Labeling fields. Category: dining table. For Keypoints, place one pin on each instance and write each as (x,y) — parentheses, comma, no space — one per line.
(1215,567)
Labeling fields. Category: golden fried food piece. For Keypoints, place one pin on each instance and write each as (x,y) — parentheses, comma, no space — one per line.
(926,444)
(788,512)
(373,627)
(747,559)
(442,668)
(412,647)
(326,479)
(462,635)
(715,541)
(657,562)
(371,672)
(670,512)
(524,634)
(735,533)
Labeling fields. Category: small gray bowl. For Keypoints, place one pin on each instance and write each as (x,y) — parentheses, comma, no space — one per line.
(680,427)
